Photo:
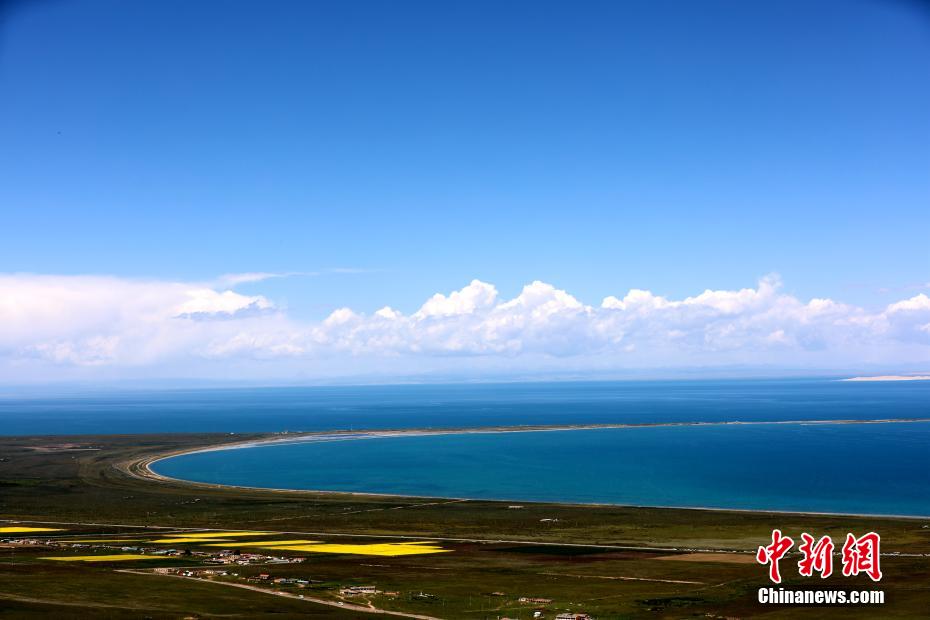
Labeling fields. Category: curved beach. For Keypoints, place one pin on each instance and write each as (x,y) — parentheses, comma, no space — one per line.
(369,484)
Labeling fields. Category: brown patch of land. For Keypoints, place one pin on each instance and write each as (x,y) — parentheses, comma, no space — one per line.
(66,447)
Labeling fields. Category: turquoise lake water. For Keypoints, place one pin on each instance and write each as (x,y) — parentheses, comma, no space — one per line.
(874,468)
(851,468)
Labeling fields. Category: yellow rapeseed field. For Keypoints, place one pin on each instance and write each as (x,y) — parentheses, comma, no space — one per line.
(187,540)
(382,549)
(106,558)
(218,534)
(24,530)
(266,543)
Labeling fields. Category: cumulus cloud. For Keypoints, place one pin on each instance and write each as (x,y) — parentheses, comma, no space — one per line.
(96,321)
(918,303)
(205,303)
(475,296)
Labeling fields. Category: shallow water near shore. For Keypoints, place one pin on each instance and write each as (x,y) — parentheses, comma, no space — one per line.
(841,468)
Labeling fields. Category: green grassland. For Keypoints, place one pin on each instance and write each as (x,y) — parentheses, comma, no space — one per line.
(608,561)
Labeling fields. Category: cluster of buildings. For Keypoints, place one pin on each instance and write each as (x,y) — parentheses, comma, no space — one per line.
(27,542)
(210,573)
(358,591)
(193,572)
(228,556)
(45,542)
(291,581)
(562,616)
(538,614)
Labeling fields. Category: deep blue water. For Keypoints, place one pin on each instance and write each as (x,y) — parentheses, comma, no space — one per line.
(857,468)
(875,468)
(439,406)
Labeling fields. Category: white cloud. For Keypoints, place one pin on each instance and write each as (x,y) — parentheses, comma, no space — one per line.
(388,313)
(636,299)
(473,297)
(736,302)
(917,303)
(96,322)
(205,303)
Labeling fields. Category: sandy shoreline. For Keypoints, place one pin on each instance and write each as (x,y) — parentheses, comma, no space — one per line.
(317,436)
(142,468)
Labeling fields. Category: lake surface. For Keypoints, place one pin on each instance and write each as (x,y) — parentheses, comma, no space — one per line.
(863,468)
(846,468)
(449,406)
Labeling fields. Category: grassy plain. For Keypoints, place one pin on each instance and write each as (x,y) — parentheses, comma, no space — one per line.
(608,561)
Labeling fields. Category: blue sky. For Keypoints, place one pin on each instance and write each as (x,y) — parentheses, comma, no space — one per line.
(596,146)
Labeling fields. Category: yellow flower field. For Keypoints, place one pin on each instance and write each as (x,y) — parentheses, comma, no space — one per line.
(188,540)
(218,534)
(16,529)
(267,543)
(380,549)
(106,558)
